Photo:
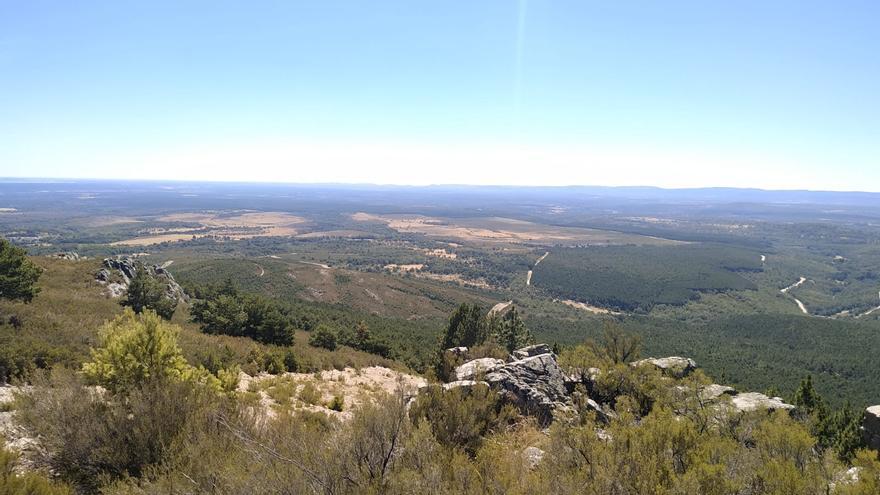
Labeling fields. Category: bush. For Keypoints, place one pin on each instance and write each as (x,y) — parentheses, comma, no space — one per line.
(224,310)
(462,416)
(337,403)
(323,337)
(137,349)
(90,437)
(147,292)
(25,484)
(18,275)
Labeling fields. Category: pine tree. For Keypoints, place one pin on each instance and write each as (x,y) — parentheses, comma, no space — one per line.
(147,292)
(18,275)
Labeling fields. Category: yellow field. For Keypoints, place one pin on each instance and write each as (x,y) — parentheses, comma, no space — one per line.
(220,224)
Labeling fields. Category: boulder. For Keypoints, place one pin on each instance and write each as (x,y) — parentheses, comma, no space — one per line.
(532,350)
(674,366)
(714,392)
(751,401)
(67,255)
(467,384)
(536,384)
(471,369)
(871,427)
(532,456)
(457,351)
(103,275)
(127,266)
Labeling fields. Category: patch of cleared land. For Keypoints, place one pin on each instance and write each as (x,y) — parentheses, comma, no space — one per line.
(503,230)
(413,267)
(314,392)
(586,307)
(235,225)
(347,234)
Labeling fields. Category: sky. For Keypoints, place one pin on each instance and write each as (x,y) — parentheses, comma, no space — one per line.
(771,94)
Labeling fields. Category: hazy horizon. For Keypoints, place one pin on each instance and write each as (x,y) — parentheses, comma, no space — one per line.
(681,95)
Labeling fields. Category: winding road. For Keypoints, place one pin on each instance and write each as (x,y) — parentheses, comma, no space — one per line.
(529,274)
(798,301)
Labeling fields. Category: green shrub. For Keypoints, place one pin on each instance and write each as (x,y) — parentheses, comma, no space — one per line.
(337,403)
(25,484)
(463,416)
(323,337)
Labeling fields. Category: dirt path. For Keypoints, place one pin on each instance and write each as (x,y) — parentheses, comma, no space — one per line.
(262,271)
(866,313)
(322,265)
(529,274)
(796,300)
(794,285)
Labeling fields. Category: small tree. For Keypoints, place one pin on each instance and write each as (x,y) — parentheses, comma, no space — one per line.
(18,274)
(135,349)
(467,327)
(510,331)
(323,337)
(147,292)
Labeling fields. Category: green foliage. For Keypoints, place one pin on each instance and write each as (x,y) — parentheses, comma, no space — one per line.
(147,292)
(336,403)
(91,438)
(137,349)
(838,429)
(628,278)
(25,484)
(509,330)
(224,310)
(462,416)
(467,327)
(18,275)
(324,337)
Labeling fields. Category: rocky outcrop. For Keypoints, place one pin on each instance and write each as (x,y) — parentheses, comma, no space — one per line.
(871,427)
(674,366)
(714,392)
(126,266)
(532,350)
(477,367)
(536,384)
(533,380)
(67,255)
(751,401)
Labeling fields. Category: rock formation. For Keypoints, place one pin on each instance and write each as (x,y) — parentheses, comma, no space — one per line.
(533,380)
(674,366)
(118,271)
(871,427)
(751,401)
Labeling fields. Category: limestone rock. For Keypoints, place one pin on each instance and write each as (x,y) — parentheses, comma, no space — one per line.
(532,350)
(126,266)
(674,366)
(536,384)
(751,401)
(463,384)
(532,456)
(715,391)
(871,427)
(471,369)
(67,255)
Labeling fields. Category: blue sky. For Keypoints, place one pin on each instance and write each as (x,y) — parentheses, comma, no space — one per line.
(778,94)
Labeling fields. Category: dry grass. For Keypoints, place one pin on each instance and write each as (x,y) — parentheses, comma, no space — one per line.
(503,230)
(222,224)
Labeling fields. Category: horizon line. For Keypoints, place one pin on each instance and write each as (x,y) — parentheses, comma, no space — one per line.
(14,179)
